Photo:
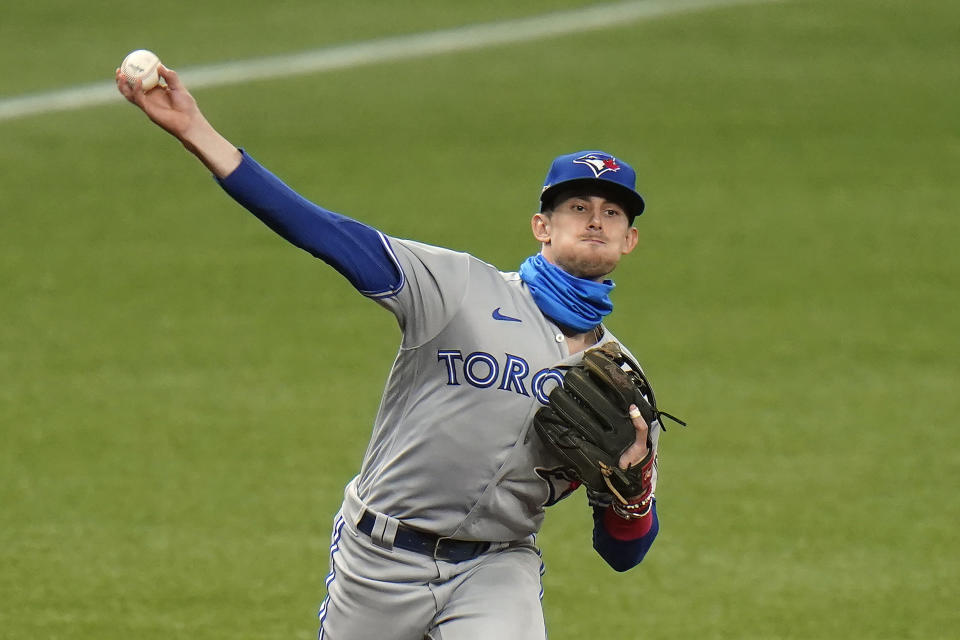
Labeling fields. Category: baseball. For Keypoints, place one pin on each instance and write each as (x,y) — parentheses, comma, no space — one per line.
(141,64)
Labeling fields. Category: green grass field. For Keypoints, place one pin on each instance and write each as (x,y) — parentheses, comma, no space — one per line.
(183,395)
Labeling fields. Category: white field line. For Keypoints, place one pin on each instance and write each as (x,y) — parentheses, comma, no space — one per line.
(351,55)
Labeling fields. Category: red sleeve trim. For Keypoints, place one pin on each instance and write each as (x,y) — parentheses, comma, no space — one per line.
(623,529)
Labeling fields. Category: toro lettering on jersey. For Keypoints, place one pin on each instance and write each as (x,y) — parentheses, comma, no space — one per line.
(484,370)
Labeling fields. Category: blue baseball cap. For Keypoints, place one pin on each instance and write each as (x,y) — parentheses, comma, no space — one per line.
(592,167)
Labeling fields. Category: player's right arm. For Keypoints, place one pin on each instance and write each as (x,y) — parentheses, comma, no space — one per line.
(403,276)
(176,112)
(357,251)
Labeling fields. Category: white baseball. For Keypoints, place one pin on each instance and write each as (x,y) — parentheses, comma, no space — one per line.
(141,64)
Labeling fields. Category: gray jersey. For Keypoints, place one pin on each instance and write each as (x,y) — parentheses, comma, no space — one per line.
(452,450)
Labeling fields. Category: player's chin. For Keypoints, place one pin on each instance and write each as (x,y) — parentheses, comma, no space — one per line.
(592,267)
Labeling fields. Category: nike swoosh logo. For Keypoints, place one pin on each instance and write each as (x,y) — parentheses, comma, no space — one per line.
(499,316)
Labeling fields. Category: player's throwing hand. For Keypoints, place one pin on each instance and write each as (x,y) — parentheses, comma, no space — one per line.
(172,107)
(176,111)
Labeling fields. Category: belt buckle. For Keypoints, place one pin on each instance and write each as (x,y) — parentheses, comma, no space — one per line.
(456,550)
(460,551)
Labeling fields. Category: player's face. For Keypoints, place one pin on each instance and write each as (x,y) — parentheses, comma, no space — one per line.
(585,235)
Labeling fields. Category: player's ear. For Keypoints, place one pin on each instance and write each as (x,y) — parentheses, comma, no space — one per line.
(540,224)
(633,236)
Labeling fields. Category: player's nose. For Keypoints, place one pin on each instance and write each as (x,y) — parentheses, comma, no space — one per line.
(596,218)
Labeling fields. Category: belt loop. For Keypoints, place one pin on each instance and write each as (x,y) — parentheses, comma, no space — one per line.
(384,530)
(390,532)
(377,534)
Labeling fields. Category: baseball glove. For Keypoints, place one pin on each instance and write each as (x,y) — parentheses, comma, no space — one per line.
(588,425)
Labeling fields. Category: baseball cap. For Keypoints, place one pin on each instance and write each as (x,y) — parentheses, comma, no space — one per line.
(591,167)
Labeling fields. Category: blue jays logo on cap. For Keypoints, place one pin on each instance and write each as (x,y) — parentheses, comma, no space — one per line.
(599,164)
(586,168)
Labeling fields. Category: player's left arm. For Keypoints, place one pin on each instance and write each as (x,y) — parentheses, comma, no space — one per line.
(623,543)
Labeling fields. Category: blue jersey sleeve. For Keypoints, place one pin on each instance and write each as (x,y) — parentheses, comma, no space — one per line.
(622,554)
(357,251)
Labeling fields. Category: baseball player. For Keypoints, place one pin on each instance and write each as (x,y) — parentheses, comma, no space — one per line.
(435,536)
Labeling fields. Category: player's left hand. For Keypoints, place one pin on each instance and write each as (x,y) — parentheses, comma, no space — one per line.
(638,450)
(598,423)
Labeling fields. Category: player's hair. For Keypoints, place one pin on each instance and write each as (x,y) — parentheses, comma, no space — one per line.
(547,208)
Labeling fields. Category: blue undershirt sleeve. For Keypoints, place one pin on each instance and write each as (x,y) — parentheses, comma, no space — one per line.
(357,251)
(622,554)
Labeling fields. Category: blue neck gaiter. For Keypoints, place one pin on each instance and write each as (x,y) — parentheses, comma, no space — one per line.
(569,301)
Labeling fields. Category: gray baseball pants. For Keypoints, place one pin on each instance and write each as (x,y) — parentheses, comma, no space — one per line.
(377,591)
